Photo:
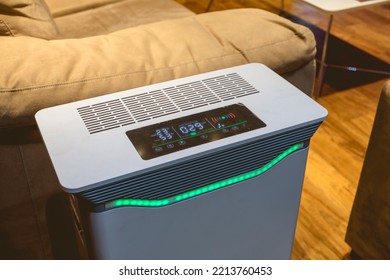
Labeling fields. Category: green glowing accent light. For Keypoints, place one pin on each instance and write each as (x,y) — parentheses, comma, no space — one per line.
(205,189)
(193,133)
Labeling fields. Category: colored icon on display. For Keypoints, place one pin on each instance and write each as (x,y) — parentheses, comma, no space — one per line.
(223,117)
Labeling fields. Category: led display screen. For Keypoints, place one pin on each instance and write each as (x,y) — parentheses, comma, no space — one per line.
(190,131)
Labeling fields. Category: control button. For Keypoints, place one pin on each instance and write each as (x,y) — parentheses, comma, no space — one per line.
(225,130)
(235,128)
(182,142)
(158,149)
(170,146)
(204,136)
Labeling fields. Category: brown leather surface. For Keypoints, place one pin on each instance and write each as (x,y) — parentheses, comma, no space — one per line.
(369,225)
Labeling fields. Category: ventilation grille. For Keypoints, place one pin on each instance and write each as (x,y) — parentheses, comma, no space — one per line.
(150,105)
(105,116)
(230,86)
(196,173)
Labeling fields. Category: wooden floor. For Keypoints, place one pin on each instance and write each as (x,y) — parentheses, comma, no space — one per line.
(338,148)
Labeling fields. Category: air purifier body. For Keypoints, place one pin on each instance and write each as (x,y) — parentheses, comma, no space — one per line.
(205,167)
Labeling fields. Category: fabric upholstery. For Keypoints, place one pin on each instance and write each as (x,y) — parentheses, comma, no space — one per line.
(369,225)
(26,18)
(33,222)
(118,16)
(66,7)
(41,73)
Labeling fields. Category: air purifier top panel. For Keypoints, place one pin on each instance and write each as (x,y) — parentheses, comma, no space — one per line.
(104,139)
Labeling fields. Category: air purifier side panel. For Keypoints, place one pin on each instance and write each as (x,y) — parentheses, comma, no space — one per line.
(253,219)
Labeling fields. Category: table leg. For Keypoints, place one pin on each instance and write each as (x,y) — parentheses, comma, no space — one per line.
(281,12)
(209,5)
(323,65)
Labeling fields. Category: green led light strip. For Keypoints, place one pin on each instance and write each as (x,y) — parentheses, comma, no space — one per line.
(205,189)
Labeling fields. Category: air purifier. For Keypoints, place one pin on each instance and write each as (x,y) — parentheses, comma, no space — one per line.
(204,167)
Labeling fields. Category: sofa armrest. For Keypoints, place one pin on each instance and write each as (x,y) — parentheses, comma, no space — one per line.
(38,73)
(369,224)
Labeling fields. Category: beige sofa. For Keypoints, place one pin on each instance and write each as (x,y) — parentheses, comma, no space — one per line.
(368,230)
(60,51)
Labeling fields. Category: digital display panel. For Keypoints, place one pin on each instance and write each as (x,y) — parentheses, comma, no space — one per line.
(178,134)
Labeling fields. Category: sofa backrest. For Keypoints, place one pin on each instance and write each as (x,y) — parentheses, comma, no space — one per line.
(27,18)
(65,7)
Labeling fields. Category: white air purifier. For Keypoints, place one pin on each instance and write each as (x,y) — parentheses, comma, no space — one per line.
(205,167)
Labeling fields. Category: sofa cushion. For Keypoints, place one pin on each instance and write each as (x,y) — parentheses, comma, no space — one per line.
(38,73)
(26,18)
(66,7)
(117,16)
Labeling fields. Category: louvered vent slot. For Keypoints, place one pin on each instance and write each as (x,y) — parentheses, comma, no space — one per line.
(201,171)
(230,86)
(191,95)
(103,116)
(149,105)
(155,104)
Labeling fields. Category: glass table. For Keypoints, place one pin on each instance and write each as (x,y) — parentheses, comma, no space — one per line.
(332,7)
